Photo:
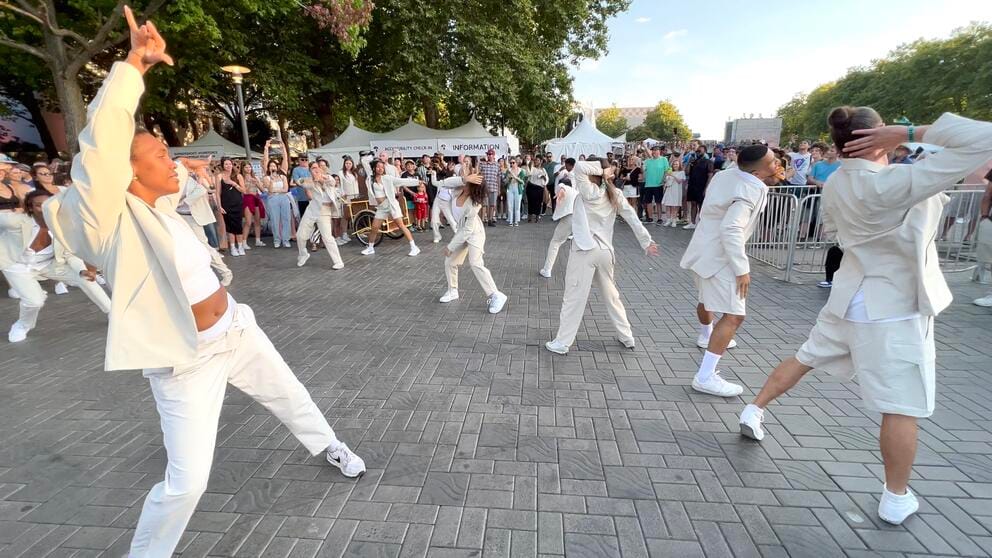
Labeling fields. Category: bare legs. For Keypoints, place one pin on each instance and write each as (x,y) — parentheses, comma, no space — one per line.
(724,330)
(897,441)
(786,375)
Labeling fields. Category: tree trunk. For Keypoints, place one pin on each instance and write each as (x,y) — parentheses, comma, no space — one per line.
(168,130)
(69,95)
(31,103)
(431,114)
(284,136)
(325,113)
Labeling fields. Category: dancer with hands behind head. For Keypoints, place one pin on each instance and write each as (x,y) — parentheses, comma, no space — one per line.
(169,315)
(877,323)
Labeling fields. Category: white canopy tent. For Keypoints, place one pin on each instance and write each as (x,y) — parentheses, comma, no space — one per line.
(584,139)
(351,141)
(622,138)
(211,144)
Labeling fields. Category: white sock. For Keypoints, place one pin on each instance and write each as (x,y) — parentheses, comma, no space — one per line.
(705,330)
(708,367)
(413,244)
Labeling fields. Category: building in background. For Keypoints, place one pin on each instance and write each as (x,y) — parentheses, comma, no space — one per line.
(768,130)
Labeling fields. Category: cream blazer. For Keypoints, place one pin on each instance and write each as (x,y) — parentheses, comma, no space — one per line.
(321,193)
(734,201)
(593,216)
(151,324)
(390,184)
(16,234)
(198,201)
(887,219)
(471,230)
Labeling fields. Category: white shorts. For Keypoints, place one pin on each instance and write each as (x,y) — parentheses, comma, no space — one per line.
(893,361)
(719,293)
(629,191)
(383,212)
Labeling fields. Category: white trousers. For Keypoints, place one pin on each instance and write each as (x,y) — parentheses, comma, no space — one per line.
(583,267)
(482,274)
(325,224)
(513,200)
(32,295)
(216,260)
(442,206)
(189,399)
(560,236)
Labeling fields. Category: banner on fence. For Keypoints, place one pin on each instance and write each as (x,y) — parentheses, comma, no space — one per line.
(473,147)
(407,148)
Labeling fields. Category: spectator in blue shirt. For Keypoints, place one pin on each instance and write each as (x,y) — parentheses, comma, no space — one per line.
(823,168)
(300,172)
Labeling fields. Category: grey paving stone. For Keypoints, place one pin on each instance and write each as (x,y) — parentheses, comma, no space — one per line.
(479,442)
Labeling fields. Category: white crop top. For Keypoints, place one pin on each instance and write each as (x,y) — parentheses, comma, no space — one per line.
(457,211)
(378,190)
(192,262)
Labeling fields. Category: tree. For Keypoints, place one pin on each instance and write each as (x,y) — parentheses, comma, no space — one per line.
(664,122)
(611,122)
(917,81)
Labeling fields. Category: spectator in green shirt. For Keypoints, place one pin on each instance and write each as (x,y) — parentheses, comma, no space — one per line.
(655,170)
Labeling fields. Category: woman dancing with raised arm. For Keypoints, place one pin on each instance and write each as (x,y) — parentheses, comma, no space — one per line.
(384,188)
(325,206)
(169,315)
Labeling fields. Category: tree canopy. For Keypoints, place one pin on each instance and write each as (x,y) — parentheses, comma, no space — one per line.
(664,122)
(917,81)
(611,122)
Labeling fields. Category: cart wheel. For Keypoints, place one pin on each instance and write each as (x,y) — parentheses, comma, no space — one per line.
(363,223)
(315,241)
(394,234)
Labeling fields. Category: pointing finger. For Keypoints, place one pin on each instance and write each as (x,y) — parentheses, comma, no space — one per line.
(129,16)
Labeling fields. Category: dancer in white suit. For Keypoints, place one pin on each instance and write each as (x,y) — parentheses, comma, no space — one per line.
(169,315)
(878,321)
(470,241)
(29,254)
(562,214)
(383,188)
(595,212)
(326,201)
(716,256)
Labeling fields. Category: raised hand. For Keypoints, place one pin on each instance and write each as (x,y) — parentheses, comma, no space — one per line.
(473,179)
(147,45)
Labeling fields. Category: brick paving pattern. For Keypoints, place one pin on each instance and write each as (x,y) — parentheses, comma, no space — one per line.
(481,443)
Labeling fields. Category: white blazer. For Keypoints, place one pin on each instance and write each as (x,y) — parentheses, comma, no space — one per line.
(151,323)
(16,235)
(198,201)
(471,230)
(390,184)
(887,218)
(734,201)
(321,193)
(594,216)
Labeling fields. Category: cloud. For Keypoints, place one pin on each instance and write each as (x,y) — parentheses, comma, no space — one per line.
(672,35)
(642,19)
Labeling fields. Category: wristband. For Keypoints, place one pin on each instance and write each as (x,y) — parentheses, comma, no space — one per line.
(912,133)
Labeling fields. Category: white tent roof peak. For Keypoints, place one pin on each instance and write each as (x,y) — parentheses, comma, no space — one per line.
(213,142)
(352,136)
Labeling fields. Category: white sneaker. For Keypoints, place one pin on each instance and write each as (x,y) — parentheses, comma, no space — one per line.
(339,241)
(414,250)
(345,238)
(233,251)
(437,239)
(275,244)
(704,343)
(751,418)
(895,508)
(690,226)
(245,246)
(629,343)
(18,332)
(825,284)
(368,251)
(717,386)
(11,293)
(556,347)
(259,243)
(338,266)
(985,301)
(450,295)
(343,458)
(302,259)
(496,302)
(545,273)
(61,289)
(286,245)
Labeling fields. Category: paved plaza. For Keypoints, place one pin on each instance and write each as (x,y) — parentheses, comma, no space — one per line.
(481,443)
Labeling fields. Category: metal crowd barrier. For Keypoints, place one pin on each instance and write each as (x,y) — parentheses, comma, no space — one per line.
(790,237)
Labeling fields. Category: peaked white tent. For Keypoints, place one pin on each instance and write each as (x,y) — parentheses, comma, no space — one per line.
(622,138)
(351,141)
(584,139)
(211,143)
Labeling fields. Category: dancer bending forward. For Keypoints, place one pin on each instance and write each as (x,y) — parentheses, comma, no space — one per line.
(734,200)
(595,212)
(878,321)
(29,255)
(169,315)
(470,240)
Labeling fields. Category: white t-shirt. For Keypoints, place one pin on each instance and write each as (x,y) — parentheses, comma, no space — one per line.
(858,312)
(801,164)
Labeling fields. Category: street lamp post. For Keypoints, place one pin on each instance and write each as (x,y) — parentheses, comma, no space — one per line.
(237,76)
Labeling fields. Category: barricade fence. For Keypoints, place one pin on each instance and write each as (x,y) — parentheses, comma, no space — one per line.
(790,236)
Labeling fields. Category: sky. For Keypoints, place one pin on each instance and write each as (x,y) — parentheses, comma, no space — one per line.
(727,60)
